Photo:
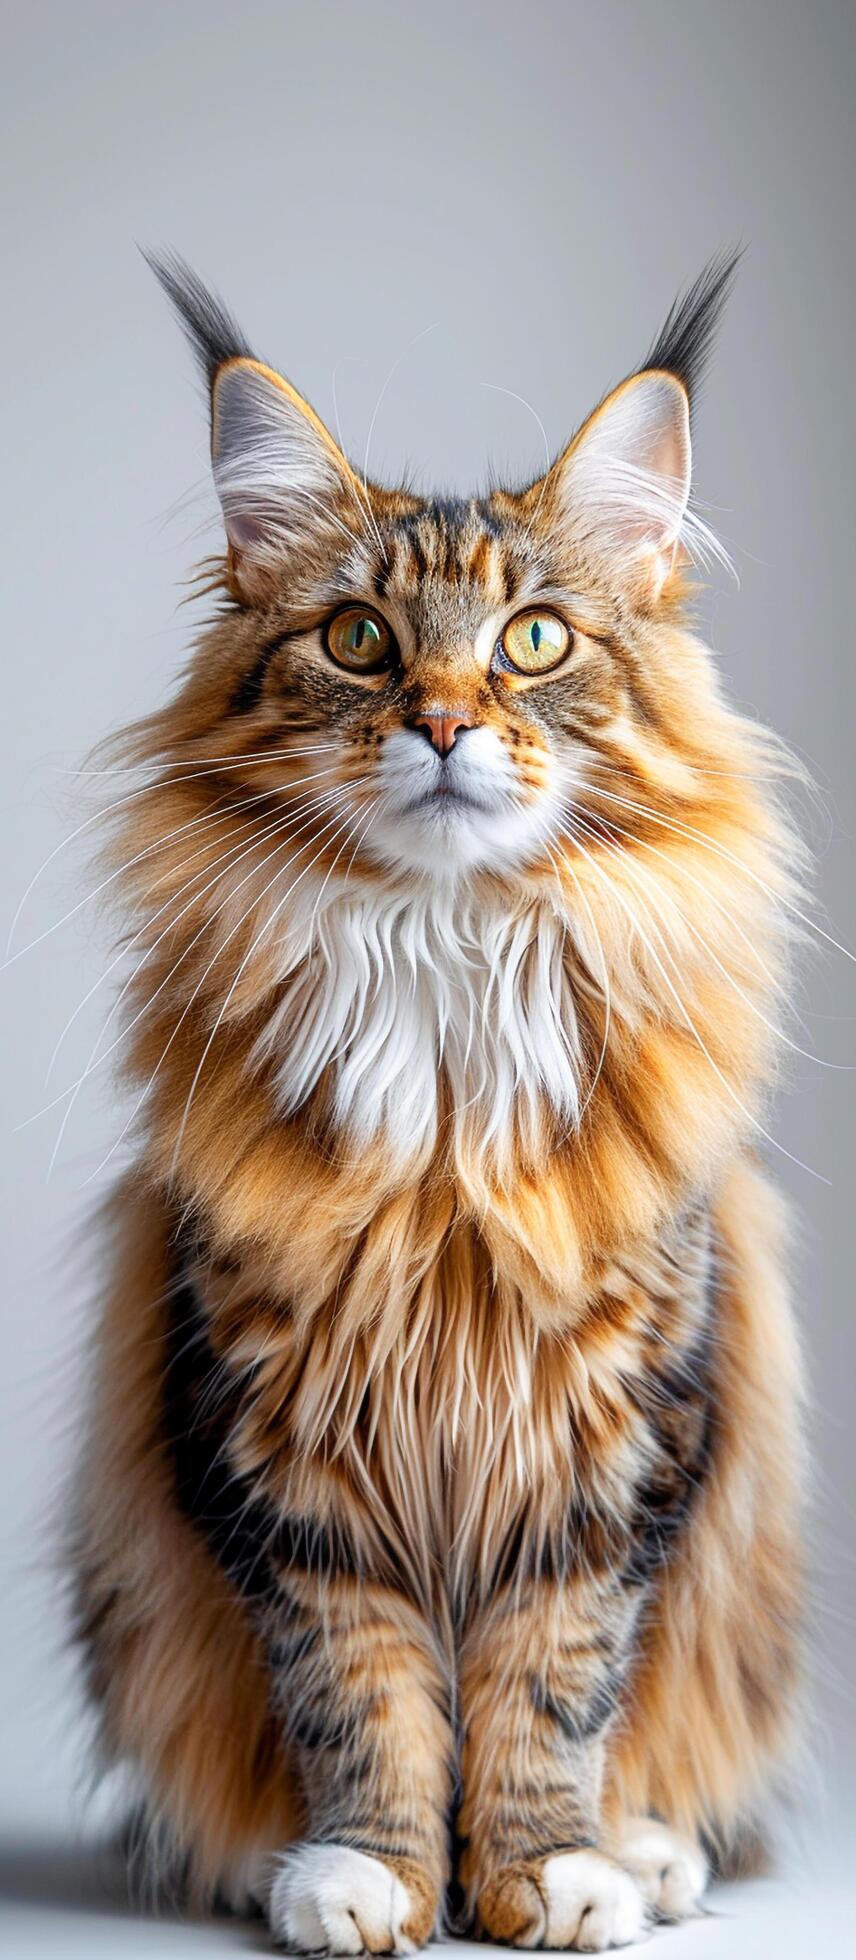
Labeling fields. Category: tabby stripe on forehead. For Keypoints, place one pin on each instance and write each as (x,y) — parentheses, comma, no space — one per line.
(480,557)
(407,526)
(386,574)
(509,576)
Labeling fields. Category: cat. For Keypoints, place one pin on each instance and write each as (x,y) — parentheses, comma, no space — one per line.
(436,1538)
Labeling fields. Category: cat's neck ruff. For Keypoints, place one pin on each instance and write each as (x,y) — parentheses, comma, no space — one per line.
(434,1000)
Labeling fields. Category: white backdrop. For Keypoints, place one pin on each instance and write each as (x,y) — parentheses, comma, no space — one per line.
(417,201)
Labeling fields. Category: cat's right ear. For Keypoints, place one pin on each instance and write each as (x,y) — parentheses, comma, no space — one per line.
(279,475)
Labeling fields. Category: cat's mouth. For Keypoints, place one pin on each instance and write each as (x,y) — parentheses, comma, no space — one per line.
(446,795)
(442,815)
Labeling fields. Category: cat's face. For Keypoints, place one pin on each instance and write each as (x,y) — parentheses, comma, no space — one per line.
(461,676)
(470,671)
(444,679)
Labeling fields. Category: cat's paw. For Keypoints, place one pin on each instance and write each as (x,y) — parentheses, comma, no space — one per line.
(670,1870)
(328,1898)
(576,1899)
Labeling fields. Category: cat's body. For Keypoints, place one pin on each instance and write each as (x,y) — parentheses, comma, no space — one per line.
(444,1452)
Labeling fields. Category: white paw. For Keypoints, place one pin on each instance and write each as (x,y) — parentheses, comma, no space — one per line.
(590,1903)
(670,1870)
(326,1898)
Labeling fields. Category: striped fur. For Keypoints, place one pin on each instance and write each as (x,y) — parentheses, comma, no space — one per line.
(436,1525)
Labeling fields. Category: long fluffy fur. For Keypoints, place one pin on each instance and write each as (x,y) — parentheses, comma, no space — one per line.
(445,1411)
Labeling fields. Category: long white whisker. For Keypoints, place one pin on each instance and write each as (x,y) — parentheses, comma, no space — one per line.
(239,831)
(634,920)
(121,803)
(186,1010)
(328,875)
(721,850)
(614,825)
(689,923)
(193,761)
(251,949)
(359,489)
(281,826)
(607,994)
(497,390)
(363,833)
(391,375)
(194,823)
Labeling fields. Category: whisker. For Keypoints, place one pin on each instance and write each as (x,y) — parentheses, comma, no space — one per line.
(193,823)
(607,993)
(240,832)
(281,826)
(645,941)
(337,1052)
(721,850)
(121,803)
(359,490)
(329,874)
(252,948)
(391,375)
(497,390)
(697,768)
(182,1017)
(379,800)
(193,761)
(690,925)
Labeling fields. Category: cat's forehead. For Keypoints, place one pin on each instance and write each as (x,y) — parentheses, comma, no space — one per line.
(450,561)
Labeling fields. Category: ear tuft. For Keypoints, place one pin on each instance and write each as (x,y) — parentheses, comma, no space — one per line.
(685,341)
(624,483)
(214,335)
(277,471)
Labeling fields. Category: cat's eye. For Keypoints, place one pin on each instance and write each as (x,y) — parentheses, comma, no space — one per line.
(359,640)
(535,641)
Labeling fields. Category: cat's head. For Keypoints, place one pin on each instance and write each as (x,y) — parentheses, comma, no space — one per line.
(452,675)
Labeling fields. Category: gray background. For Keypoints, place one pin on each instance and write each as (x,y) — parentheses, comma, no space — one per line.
(420,199)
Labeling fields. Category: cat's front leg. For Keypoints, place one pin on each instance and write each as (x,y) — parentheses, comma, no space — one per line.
(541,1672)
(365,1709)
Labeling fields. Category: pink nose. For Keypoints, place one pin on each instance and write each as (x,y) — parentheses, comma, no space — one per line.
(441,730)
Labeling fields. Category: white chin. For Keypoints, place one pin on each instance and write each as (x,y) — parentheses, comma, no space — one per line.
(443,838)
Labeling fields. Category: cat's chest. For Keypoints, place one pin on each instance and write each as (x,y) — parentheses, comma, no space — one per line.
(411,1010)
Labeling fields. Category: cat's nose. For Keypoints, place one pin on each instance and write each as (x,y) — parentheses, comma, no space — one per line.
(441,730)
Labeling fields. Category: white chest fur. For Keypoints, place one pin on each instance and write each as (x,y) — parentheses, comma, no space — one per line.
(400,994)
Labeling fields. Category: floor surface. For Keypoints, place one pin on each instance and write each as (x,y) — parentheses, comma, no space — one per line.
(63,1901)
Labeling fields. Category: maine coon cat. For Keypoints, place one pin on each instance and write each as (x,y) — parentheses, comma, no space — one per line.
(435,1546)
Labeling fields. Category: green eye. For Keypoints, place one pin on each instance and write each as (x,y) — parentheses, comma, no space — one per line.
(359,640)
(535,641)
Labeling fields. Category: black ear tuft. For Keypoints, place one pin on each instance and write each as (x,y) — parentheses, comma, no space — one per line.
(686,338)
(212,332)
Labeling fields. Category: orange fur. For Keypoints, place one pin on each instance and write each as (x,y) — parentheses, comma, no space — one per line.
(513,1394)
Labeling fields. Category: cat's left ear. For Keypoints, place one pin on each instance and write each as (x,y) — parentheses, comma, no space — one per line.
(280,477)
(623,484)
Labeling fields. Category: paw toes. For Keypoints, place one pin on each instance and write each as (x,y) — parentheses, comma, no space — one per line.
(328,1898)
(512,1909)
(577,1899)
(670,1870)
(591,1903)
